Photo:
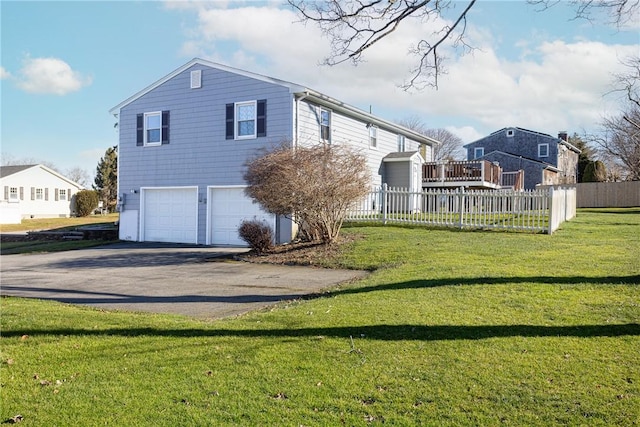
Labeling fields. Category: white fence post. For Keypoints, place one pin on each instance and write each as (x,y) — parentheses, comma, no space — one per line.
(384,202)
(529,210)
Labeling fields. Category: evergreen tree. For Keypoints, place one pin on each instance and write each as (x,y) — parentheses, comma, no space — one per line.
(106,181)
(586,154)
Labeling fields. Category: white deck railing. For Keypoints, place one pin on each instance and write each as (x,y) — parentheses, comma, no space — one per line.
(537,211)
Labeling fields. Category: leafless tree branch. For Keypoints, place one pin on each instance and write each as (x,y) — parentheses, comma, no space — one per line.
(353,26)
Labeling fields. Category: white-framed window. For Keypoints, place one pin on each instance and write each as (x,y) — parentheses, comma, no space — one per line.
(62,194)
(246,120)
(196,79)
(401,143)
(325,125)
(13,193)
(153,128)
(39,194)
(510,133)
(543,150)
(478,152)
(373,136)
(245,126)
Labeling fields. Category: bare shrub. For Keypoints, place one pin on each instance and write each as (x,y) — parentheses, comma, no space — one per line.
(314,186)
(257,234)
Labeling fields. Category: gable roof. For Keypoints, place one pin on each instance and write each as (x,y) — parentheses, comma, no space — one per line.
(555,139)
(401,156)
(298,91)
(6,171)
(10,170)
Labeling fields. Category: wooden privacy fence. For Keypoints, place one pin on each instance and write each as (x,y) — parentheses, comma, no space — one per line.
(537,211)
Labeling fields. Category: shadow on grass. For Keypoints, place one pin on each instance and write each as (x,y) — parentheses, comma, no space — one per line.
(467,281)
(372,332)
(97,297)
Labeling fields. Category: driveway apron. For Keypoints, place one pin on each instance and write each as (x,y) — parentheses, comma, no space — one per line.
(190,280)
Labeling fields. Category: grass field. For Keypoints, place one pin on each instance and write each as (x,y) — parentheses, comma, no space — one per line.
(451,328)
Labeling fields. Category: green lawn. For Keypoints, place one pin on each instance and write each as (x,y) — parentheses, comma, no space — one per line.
(451,328)
(58,223)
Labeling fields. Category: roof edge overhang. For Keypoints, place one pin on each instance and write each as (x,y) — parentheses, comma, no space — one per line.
(293,88)
(340,106)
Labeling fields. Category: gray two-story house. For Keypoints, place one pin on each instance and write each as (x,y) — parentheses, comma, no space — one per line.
(545,160)
(185,140)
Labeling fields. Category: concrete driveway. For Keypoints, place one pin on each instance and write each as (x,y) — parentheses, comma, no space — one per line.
(161,278)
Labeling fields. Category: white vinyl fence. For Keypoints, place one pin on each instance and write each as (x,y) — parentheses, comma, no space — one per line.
(540,210)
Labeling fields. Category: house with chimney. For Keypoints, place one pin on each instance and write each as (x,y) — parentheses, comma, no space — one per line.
(541,159)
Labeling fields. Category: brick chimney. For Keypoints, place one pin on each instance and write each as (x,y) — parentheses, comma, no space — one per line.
(563,135)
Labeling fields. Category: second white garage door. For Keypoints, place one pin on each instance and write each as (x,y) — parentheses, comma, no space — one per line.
(170,215)
(228,207)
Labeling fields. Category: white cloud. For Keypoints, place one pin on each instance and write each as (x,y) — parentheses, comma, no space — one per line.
(50,76)
(4,74)
(554,85)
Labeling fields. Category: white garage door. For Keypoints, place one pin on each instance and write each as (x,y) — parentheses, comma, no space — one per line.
(170,215)
(228,207)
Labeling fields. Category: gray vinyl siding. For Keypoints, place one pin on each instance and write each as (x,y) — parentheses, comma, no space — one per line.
(351,132)
(398,174)
(198,154)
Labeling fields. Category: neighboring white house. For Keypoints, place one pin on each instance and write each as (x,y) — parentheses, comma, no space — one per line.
(35,191)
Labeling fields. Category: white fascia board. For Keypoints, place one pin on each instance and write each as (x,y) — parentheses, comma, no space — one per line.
(293,88)
(52,172)
(340,106)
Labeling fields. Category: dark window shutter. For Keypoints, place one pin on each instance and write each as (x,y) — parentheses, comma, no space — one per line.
(56,195)
(140,130)
(33,193)
(165,127)
(262,118)
(229,121)
(21,193)
(46,194)
(6,192)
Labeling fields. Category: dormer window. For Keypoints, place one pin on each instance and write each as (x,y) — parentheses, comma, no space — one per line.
(510,133)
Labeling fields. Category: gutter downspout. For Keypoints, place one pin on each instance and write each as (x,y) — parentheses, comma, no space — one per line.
(296,113)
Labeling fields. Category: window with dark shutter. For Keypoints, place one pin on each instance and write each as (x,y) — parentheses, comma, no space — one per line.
(229,121)
(261,118)
(140,129)
(165,127)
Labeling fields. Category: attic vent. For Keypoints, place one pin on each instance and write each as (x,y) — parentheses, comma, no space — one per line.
(196,79)
(510,132)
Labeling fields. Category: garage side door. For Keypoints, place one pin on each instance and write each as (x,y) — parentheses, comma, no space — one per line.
(228,207)
(170,215)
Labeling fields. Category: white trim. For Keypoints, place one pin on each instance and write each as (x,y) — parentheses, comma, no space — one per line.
(477,150)
(401,147)
(322,139)
(295,89)
(543,145)
(144,129)
(236,120)
(196,79)
(373,137)
(142,207)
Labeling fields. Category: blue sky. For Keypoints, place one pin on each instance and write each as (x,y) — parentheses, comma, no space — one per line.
(65,64)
